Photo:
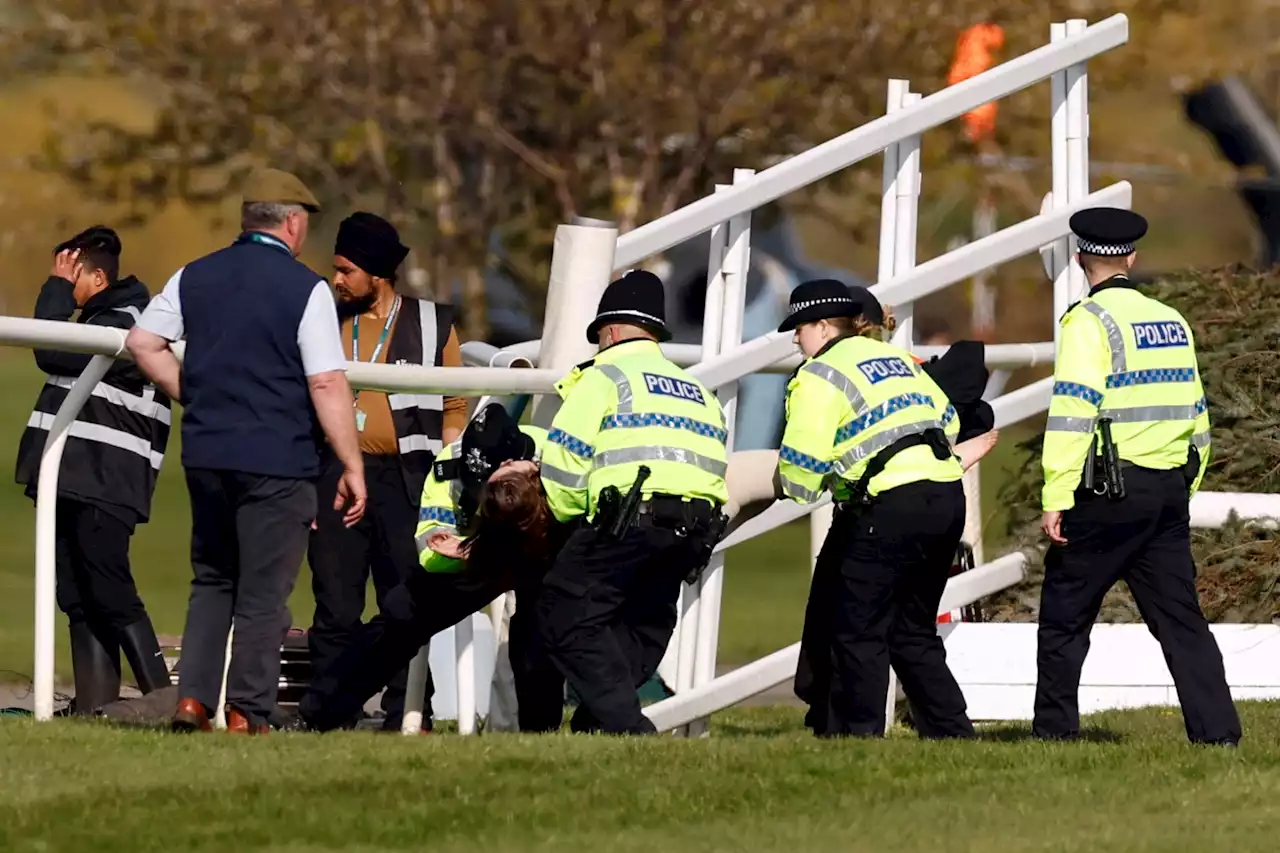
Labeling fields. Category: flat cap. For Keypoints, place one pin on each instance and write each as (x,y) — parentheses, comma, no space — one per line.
(1107,230)
(272,186)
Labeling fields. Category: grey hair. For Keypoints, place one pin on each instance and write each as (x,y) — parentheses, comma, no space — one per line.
(258,215)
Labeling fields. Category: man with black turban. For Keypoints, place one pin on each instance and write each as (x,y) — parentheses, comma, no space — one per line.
(400,436)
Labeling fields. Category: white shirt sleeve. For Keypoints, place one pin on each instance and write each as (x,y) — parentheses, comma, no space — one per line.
(319,338)
(163,315)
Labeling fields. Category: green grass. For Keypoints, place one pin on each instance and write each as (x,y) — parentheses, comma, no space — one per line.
(760,784)
(766,581)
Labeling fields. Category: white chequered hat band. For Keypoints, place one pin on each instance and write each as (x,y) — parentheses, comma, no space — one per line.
(1089,247)
(838,300)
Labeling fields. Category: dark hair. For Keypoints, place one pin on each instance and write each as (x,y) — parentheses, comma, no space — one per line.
(99,249)
(514,524)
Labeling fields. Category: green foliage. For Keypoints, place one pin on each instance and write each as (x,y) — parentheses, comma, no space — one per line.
(1235,314)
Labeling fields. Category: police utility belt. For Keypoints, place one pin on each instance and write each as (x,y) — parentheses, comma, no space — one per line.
(860,497)
(1104,469)
(616,513)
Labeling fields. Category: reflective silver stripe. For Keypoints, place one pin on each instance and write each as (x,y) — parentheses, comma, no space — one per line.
(431,402)
(626,398)
(1200,439)
(880,441)
(1146,414)
(561,477)
(799,492)
(427,319)
(143,404)
(626,455)
(1057,423)
(102,435)
(1114,336)
(840,381)
(410,443)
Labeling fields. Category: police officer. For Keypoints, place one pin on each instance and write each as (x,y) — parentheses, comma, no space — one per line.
(608,604)
(484,529)
(868,423)
(1125,446)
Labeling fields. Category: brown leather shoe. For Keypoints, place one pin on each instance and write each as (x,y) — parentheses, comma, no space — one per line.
(191,717)
(238,724)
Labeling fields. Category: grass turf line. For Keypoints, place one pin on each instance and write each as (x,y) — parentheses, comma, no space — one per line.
(761,783)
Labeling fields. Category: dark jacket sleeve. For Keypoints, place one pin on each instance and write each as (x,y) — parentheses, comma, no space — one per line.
(57,302)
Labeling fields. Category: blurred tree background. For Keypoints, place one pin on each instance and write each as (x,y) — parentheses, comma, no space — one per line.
(478,125)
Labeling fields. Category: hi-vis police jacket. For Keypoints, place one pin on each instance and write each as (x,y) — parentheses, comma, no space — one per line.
(846,404)
(627,407)
(437,512)
(1127,357)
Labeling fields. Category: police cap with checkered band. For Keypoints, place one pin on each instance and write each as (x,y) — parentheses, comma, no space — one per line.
(1107,231)
(636,299)
(825,298)
(491,438)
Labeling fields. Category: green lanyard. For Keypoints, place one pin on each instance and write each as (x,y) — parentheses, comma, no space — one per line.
(382,339)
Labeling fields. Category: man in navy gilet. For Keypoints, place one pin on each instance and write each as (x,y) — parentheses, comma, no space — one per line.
(262,384)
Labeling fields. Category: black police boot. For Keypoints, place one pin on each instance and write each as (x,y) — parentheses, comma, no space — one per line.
(142,650)
(97,669)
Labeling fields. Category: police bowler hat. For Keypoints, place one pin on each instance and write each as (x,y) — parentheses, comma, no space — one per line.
(636,299)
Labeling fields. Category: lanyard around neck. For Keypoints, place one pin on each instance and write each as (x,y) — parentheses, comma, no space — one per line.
(382,339)
(265,240)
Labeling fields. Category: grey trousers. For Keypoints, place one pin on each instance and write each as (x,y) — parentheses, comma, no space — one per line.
(248,537)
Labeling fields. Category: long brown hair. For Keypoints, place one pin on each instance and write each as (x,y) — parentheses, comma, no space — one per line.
(513,528)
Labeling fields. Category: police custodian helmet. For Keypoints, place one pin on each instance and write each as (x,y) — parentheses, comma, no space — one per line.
(636,299)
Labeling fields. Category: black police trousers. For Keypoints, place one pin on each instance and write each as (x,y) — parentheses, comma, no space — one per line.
(1143,539)
(607,612)
(343,559)
(874,603)
(412,613)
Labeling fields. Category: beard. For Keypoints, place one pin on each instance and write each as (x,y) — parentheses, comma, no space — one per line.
(355,306)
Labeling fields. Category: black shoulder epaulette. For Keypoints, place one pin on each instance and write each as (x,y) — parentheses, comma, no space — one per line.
(447,469)
(586,364)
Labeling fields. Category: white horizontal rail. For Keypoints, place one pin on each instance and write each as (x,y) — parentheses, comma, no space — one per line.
(481,354)
(868,140)
(998,356)
(780,667)
(934,275)
(471,381)
(1213,509)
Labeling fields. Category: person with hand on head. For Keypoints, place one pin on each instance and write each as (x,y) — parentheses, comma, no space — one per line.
(869,424)
(262,381)
(485,529)
(108,473)
(1125,446)
(399,434)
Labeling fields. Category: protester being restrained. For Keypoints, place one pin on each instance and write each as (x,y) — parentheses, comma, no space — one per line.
(108,473)
(400,434)
(485,529)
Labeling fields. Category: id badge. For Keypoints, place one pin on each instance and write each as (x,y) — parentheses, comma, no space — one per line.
(361,417)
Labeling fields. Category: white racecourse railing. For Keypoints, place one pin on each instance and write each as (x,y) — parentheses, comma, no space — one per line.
(587,251)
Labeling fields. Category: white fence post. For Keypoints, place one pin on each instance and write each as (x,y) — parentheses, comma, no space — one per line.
(1077,83)
(906,216)
(690,612)
(46,527)
(1060,197)
(734,271)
